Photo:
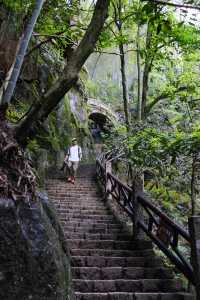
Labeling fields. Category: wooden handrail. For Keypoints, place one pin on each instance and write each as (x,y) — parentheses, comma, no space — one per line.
(162,230)
(145,201)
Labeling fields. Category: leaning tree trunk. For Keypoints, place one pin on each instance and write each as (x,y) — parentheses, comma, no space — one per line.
(21,53)
(41,109)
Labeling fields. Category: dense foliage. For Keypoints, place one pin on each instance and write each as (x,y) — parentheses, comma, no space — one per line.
(162,54)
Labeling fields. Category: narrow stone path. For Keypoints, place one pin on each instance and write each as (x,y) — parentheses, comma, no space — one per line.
(106,263)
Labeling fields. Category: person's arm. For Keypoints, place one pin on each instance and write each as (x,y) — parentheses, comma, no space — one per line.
(67,156)
(80,153)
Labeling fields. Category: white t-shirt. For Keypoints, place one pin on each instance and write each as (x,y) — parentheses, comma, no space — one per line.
(75,153)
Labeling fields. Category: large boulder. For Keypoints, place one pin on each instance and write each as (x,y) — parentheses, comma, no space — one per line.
(34,259)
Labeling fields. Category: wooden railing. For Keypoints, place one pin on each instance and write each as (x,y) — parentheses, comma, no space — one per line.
(162,230)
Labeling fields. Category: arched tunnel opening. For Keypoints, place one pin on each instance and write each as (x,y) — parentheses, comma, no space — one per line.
(99,124)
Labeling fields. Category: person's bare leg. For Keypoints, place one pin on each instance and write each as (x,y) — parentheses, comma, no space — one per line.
(74,168)
(69,178)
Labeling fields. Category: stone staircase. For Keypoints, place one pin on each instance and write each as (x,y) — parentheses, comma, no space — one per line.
(107,264)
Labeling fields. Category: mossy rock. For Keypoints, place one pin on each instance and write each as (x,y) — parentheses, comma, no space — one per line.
(34,257)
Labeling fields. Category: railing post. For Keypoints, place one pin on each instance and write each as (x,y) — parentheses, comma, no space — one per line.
(136,217)
(194,229)
(137,187)
(108,183)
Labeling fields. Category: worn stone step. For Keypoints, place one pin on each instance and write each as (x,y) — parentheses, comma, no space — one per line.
(68,194)
(111,252)
(127,285)
(89,222)
(78,184)
(94,194)
(81,211)
(109,244)
(81,206)
(73,189)
(97,218)
(84,202)
(85,195)
(132,296)
(98,236)
(81,182)
(90,226)
(93,230)
(95,273)
(88,214)
(111,261)
(80,202)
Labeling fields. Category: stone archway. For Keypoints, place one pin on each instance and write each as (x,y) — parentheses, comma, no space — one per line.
(101,113)
(102,120)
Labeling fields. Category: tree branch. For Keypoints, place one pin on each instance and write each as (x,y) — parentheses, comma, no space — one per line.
(50,37)
(161,97)
(173,4)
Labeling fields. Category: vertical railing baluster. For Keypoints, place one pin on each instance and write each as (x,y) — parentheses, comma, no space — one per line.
(194,229)
(108,182)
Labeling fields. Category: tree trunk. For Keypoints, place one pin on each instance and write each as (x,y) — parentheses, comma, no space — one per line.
(194,182)
(139,102)
(124,84)
(41,109)
(118,7)
(147,69)
(9,73)
(22,51)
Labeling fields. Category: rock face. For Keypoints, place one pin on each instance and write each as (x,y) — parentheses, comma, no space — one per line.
(34,261)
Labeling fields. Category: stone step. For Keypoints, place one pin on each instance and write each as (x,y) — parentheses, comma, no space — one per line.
(91,194)
(98,236)
(82,182)
(93,230)
(88,222)
(77,210)
(115,253)
(88,197)
(82,206)
(111,261)
(68,194)
(72,189)
(127,285)
(109,244)
(61,191)
(87,226)
(132,296)
(86,200)
(95,273)
(79,183)
(89,218)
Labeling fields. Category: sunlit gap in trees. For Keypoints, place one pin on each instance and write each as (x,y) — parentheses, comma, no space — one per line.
(188,15)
